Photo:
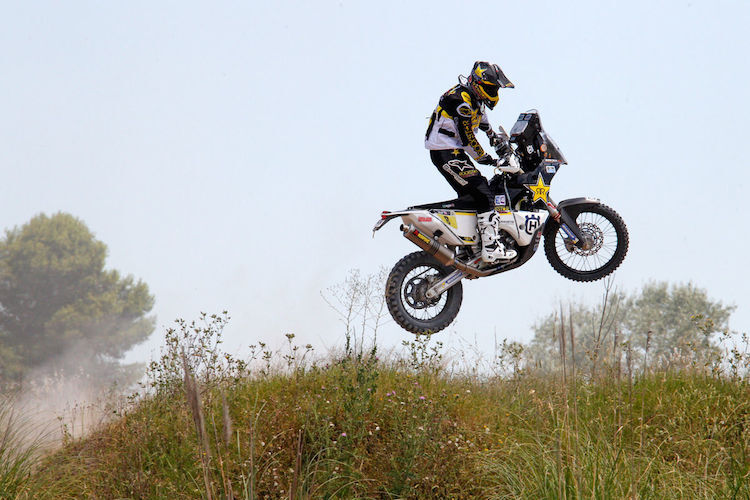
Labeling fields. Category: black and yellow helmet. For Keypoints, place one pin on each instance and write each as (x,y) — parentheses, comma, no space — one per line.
(485,80)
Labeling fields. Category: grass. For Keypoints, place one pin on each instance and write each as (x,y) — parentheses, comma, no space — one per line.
(369,429)
(20,443)
(356,426)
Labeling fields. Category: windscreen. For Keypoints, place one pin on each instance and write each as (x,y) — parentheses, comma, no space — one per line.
(553,151)
(528,132)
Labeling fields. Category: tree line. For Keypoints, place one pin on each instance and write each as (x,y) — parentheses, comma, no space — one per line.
(60,308)
(662,322)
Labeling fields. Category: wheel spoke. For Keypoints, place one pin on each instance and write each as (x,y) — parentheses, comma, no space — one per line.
(601,235)
(413,290)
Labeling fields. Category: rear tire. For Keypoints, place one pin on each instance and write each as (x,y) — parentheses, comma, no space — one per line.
(610,244)
(404,294)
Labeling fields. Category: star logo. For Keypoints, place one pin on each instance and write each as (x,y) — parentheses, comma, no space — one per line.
(540,189)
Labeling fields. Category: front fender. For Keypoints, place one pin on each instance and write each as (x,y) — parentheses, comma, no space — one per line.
(571,204)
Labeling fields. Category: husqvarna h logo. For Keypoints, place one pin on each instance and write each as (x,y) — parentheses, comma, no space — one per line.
(532,222)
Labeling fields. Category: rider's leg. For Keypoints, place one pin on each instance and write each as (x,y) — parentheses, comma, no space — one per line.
(464,177)
(493,250)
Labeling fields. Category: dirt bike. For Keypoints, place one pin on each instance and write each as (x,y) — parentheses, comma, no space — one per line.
(584,240)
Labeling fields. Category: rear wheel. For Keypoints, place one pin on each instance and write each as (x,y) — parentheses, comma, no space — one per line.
(405,290)
(606,243)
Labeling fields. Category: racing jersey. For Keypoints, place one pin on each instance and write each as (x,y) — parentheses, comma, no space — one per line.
(458,114)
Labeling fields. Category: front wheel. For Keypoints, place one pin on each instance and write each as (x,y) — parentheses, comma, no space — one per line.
(606,243)
(405,295)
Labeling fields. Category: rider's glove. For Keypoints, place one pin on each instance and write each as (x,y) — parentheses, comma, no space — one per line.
(509,164)
(499,141)
(501,148)
(486,159)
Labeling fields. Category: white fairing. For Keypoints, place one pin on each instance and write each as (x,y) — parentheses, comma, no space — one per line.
(526,224)
(458,227)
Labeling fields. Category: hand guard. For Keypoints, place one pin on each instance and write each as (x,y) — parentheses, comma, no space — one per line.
(509,164)
(486,159)
(499,141)
(501,148)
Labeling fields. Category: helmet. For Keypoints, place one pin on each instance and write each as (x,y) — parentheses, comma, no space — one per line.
(485,80)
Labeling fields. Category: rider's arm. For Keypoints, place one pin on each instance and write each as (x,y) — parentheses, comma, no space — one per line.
(464,113)
(498,140)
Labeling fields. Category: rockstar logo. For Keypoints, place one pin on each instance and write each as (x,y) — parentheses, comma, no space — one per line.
(540,189)
(456,152)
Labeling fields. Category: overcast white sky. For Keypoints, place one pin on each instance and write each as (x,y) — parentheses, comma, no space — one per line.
(235,155)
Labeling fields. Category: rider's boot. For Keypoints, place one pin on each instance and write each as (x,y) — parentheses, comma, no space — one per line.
(493,250)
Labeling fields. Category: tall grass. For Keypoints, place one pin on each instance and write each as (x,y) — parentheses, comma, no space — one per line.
(356,425)
(21,441)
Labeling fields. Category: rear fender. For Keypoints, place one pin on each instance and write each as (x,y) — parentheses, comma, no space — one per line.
(387,216)
(446,228)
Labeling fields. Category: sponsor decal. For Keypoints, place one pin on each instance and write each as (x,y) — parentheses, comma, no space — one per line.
(569,233)
(473,142)
(453,279)
(531,224)
(464,110)
(424,219)
(422,237)
(469,173)
(499,199)
(449,219)
(550,169)
(529,149)
(540,189)
(461,165)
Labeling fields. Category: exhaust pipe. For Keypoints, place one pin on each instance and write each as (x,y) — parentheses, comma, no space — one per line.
(440,252)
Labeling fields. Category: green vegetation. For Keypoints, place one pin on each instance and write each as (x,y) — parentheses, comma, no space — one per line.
(595,408)
(673,323)
(355,426)
(59,307)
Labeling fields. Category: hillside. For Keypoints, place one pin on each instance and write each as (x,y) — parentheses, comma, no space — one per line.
(360,427)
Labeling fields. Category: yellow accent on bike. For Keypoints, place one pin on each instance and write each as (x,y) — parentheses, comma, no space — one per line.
(449,219)
(540,189)
(424,238)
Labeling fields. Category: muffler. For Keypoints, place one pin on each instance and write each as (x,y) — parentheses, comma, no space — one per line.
(440,252)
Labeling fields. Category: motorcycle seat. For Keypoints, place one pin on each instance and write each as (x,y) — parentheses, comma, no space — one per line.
(465,202)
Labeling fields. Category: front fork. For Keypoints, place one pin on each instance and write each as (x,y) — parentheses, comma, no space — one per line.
(573,235)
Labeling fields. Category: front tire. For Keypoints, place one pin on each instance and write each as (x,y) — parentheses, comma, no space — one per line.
(404,294)
(608,238)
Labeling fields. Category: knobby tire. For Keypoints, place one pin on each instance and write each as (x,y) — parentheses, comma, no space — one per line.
(394,295)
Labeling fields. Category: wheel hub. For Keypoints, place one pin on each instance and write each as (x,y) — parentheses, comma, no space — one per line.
(593,239)
(415,292)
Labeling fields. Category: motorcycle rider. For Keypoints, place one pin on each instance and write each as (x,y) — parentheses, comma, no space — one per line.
(451,134)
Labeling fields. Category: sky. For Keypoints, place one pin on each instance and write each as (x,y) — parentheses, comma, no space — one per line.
(235,155)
